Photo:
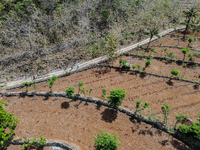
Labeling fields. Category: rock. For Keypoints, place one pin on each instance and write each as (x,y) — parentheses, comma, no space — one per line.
(56,148)
(9,101)
(54,99)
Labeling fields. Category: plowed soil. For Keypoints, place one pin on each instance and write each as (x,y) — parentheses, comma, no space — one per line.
(79,122)
(181,96)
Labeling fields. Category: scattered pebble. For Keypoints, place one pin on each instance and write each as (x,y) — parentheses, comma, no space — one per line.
(54,99)
(34,99)
(28,134)
(9,101)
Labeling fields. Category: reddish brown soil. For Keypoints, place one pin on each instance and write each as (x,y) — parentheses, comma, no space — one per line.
(170,40)
(79,122)
(188,34)
(165,67)
(181,96)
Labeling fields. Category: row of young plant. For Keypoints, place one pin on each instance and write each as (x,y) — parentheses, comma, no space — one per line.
(126,66)
(171,55)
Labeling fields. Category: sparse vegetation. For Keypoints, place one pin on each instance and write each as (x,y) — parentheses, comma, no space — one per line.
(184,51)
(103,92)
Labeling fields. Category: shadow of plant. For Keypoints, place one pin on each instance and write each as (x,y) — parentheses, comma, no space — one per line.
(169,82)
(109,115)
(65,105)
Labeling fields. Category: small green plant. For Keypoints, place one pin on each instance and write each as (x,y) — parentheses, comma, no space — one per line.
(35,86)
(165,50)
(80,84)
(34,143)
(190,56)
(133,66)
(175,72)
(104,92)
(180,118)
(143,52)
(70,90)
(184,51)
(52,81)
(90,91)
(139,108)
(152,49)
(8,123)
(147,63)
(122,62)
(116,97)
(165,110)
(26,84)
(83,90)
(171,55)
(190,40)
(105,141)
(138,67)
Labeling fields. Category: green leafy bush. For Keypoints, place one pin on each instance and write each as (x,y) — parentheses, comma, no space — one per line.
(171,55)
(52,81)
(8,124)
(105,141)
(192,131)
(26,84)
(116,97)
(70,90)
(175,72)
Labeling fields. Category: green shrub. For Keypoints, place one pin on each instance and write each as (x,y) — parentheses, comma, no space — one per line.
(175,72)
(192,131)
(82,89)
(8,124)
(184,51)
(70,90)
(52,81)
(180,118)
(105,141)
(80,84)
(26,84)
(116,97)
